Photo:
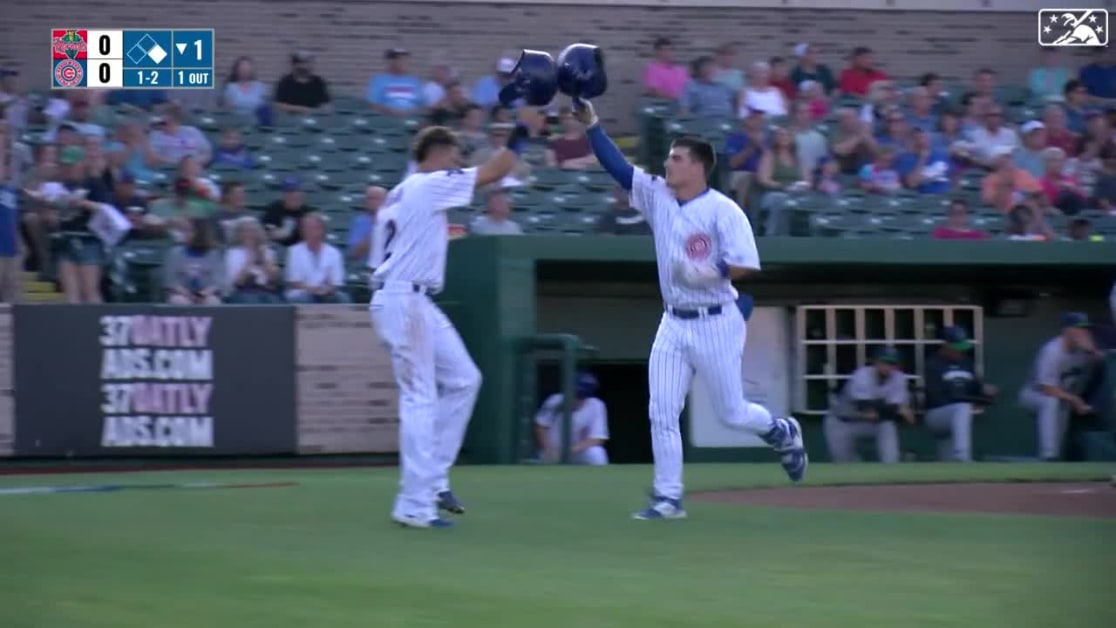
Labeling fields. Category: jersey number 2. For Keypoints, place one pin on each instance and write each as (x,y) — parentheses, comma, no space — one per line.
(389,235)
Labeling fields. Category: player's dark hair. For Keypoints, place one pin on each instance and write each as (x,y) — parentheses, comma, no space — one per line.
(227,187)
(1071,86)
(661,42)
(433,137)
(700,150)
(959,201)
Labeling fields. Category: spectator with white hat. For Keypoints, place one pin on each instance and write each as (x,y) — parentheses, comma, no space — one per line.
(808,68)
(1029,156)
(486,91)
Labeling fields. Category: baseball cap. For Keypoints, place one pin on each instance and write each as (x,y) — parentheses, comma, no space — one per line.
(291,184)
(71,155)
(395,53)
(887,355)
(505,65)
(586,385)
(754,111)
(126,176)
(1003,150)
(955,338)
(302,56)
(801,49)
(1075,319)
(1031,125)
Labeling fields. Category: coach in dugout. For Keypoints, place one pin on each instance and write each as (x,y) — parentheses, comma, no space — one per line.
(588,429)
(952,390)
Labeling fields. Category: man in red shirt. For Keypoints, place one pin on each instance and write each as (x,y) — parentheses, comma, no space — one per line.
(861,73)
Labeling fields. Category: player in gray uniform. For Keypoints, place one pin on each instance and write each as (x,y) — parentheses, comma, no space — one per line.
(867,406)
(951,390)
(1048,393)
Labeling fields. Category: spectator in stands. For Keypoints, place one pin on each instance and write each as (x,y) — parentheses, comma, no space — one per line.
(301,90)
(434,90)
(283,217)
(10,254)
(812,94)
(231,210)
(471,131)
(1047,79)
(921,167)
(315,271)
(1030,156)
(622,220)
(984,84)
(990,139)
(857,79)
(14,102)
(1104,191)
(895,131)
(74,113)
(396,92)
(141,99)
(726,72)
(570,150)
(171,141)
(202,186)
(174,213)
(498,114)
(71,203)
(130,202)
(976,111)
(825,177)
(359,241)
(880,176)
(486,91)
(33,221)
(921,112)
(495,220)
(664,78)
(1062,191)
(761,94)
(131,150)
(243,92)
(744,149)
(809,142)
(251,269)
(1057,133)
(780,78)
(232,152)
(852,142)
(194,270)
(1075,102)
(704,97)
(1025,224)
(883,101)
(536,146)
(1099,77)
(1092,148)
(452,108)
(1006,186)
(498,134)
(1080,230)
(780,174)
(939,99)
(96,161)
(957,226)
(808,68)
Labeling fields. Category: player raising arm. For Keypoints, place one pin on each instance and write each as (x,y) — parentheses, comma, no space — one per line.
(703,240)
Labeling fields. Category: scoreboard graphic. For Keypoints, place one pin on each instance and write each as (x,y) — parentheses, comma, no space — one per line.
(83,58)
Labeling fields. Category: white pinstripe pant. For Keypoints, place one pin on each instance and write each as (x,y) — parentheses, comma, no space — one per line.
(712,346)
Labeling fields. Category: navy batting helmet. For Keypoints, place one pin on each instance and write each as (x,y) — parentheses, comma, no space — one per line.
(581,71)
(534,79)
(586,385)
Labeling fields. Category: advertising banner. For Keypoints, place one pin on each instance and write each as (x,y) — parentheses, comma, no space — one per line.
(348,401)
(153,380)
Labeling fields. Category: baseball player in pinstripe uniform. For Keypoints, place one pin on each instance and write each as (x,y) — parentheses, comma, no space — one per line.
(438,381)
(702,242)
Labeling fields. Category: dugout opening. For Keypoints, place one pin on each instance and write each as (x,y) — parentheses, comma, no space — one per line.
(623,389)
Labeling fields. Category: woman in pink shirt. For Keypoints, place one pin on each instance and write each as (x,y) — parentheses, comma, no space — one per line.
(664,78)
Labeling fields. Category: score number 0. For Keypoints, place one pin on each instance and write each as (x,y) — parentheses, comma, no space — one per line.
(105,54)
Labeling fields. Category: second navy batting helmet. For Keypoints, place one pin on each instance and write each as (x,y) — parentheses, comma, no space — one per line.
(586,385)
(581,71)
(534,79)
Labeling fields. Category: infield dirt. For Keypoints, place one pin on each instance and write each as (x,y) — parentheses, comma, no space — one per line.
(1094,499)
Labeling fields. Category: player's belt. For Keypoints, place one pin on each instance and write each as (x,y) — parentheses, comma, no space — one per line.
(403,286)
(690,314)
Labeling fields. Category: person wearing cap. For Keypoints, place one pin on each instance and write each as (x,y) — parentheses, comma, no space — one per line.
(1055,385)
(663,78)
(857,79)
(301,90)
(951,388)
(1029,156)
(922,167)
(172,141)
(284,215)
(1007,187)
(131,203)
(396,92)
(486,91)
(726,73)
(869,404)
(808,68)
(588,426)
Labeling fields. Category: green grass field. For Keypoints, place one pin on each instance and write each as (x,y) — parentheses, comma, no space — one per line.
(541,547)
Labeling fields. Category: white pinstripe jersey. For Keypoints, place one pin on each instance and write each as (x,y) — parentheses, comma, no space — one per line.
(411,234)
(709,228)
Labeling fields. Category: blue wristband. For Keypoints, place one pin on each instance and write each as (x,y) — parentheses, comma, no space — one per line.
(723,267)
(518,139)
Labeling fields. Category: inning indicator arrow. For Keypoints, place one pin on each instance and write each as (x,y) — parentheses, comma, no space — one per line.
(181,48)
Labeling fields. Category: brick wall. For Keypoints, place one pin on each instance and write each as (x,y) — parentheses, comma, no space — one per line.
(350,36)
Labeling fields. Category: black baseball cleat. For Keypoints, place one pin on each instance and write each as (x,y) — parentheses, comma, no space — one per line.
(447,502)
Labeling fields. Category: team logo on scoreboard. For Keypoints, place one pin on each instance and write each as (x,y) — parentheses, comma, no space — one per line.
(68,73)
(69,44)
